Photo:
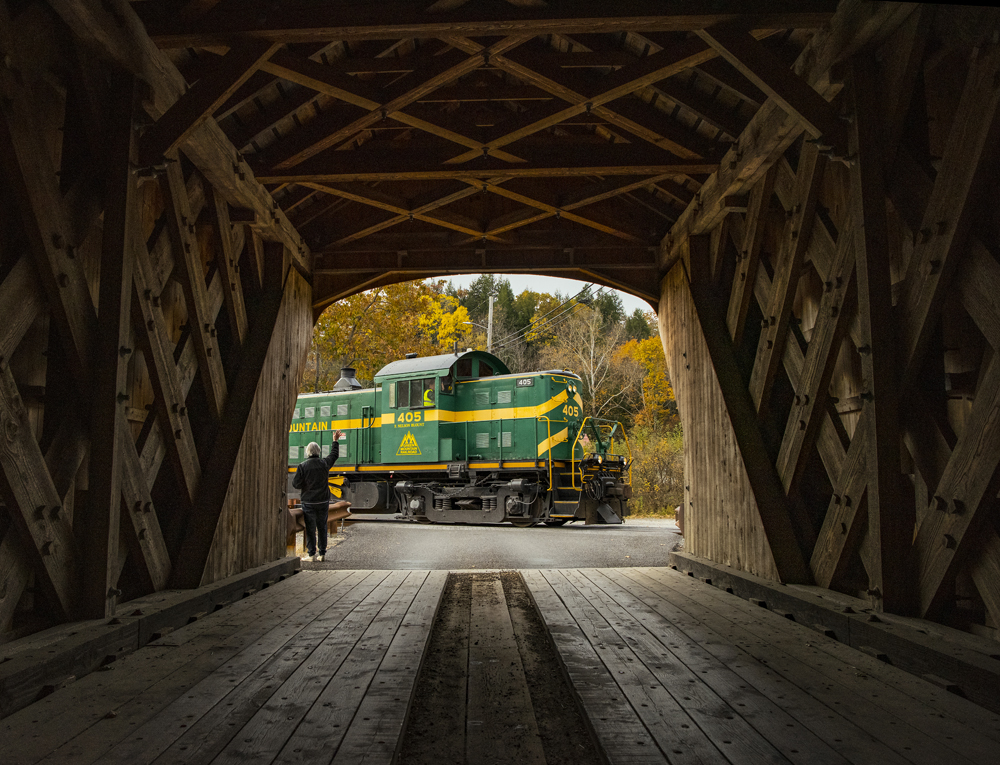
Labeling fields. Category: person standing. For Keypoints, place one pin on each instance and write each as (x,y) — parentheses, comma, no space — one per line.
(312,478)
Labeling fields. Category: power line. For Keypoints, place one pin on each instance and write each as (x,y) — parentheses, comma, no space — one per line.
(555,321)
(527,327)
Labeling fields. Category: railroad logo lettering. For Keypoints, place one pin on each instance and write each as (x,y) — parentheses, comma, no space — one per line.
(409,447)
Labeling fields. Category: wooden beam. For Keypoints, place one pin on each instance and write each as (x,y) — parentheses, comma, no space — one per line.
(429,85)
(410,19)
(400,165)
(797,234)
(20,303)
(772,504)
(890,523)
(645,72)
(204,97)
(181,226)
(491,258)
(794,95)
(349,89)
(98,520)
(616,230)
(371,197)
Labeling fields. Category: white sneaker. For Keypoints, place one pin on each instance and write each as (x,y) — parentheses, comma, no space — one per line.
(320,558)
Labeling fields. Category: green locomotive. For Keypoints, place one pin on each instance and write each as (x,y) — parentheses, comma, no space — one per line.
(457,438)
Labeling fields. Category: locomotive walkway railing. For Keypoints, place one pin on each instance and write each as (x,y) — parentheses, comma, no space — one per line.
(611,427)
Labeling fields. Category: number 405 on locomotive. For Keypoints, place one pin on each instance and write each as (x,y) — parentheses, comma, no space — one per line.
(457,438)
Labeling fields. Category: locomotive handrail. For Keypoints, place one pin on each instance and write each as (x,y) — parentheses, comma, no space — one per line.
(615,425)
(548,440)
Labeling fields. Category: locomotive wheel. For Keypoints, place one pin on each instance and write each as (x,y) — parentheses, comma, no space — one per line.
(523,523)
(557,522)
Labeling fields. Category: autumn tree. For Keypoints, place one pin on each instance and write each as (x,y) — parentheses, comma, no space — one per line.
(588,346)
(657,394)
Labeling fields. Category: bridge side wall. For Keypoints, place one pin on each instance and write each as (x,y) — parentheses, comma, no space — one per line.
(831,327)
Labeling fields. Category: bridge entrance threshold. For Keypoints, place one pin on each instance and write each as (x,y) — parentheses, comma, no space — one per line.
(638,665)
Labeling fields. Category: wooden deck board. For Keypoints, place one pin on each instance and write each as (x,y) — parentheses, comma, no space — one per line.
(501,723)
(142,684)
(923,733)
(324,667)
(766,669)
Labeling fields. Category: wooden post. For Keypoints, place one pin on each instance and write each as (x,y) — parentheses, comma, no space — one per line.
(890,523)
(98,523)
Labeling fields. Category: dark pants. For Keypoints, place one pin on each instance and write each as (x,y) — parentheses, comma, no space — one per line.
(315,515)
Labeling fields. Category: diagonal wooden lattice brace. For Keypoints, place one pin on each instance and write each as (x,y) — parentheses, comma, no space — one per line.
(421,209)
(181,227)
(771,130)
(749,257)
(835,310)
(771,345)
(592,194)
(560,212)
(943,232)
(199,531)
(779,517)
(970,482)
(227,257)
(169,397)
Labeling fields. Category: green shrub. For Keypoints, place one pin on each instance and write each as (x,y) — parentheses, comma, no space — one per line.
(657,470)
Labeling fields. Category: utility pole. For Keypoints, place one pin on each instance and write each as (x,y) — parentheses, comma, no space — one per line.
(489,325)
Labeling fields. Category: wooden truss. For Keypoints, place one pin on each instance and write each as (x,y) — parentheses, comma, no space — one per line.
(129,360)
(577,139)
(871,386)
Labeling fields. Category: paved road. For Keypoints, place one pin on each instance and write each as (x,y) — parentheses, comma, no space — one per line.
(385,545)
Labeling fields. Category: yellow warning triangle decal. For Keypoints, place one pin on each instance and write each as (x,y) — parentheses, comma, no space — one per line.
(409,446)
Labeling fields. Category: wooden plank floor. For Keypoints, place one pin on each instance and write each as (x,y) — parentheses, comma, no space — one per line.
(318,667)
(324,666)
(673,670)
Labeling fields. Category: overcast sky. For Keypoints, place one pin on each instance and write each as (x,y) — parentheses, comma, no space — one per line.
(551,284)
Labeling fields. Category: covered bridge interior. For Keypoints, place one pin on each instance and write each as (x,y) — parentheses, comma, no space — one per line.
(803,193)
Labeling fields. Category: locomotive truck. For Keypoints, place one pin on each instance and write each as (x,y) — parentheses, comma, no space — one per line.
(457,438)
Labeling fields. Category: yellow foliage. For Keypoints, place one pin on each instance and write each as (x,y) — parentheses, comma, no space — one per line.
(444,321)
(658,404)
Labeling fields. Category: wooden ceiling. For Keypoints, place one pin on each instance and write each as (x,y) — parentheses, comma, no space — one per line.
(410,139)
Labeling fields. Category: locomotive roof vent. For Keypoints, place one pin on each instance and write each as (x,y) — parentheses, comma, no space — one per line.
(347,380)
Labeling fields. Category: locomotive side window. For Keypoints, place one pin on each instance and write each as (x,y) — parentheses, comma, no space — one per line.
(485,370)
(403,394)
(411,394)
(447,384)
(464,368)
